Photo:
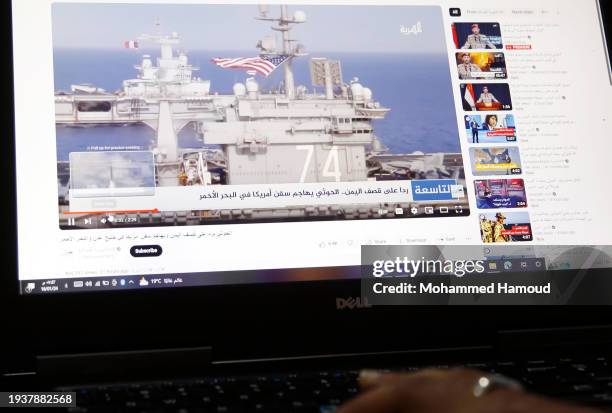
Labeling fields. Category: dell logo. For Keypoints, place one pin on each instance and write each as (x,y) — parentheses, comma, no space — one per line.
(351,303)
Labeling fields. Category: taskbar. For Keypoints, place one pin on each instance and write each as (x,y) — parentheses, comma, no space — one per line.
(200,279)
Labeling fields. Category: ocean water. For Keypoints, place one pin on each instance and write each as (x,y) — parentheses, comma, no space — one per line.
(417,88)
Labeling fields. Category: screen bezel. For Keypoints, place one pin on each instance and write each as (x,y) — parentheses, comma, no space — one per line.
(274,319)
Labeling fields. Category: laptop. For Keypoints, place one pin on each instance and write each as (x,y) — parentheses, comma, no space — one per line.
(197,193)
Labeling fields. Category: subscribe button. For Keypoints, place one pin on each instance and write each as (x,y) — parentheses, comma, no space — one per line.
(146,251)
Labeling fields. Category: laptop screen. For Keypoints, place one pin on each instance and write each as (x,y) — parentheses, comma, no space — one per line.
(165,145)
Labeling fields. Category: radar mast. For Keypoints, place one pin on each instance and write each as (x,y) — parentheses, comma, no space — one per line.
(284,27)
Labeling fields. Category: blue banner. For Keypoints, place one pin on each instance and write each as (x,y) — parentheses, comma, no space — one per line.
(436,190)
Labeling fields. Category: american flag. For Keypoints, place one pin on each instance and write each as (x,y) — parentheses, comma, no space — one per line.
(262,64)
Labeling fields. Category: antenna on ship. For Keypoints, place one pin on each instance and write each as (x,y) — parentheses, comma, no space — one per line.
(284,26)
(166,43)
(157,27)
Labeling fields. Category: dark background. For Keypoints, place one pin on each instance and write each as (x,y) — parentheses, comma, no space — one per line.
(606,10)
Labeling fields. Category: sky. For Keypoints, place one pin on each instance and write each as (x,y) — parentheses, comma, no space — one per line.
(233,27)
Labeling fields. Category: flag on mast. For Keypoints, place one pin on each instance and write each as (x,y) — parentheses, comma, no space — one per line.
(264,65)
(470,96)
(130,44)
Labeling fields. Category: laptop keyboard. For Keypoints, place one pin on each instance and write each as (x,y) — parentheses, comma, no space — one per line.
(585,381)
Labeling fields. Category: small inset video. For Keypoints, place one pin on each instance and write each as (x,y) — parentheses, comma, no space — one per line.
(477,36)
(490,128)
(502,227)
(112,174)
(481,65)
(500,193)
(485,97)
(495,161)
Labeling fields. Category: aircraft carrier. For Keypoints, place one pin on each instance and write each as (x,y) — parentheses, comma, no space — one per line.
(252,136)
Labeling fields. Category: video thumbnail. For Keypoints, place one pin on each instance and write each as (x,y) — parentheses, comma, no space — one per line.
(490,128)
(112,174)
(485,97)
(500,193)
(495,161)
(260,132)
(503,227)
(481,65)
(477,36)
